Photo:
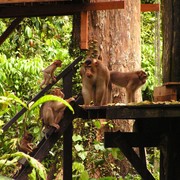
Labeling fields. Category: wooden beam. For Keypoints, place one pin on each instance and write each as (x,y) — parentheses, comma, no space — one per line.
(56,9)
(133,138)
(84,30)
(133,158)
(150,7)
(10,29)
(24,1)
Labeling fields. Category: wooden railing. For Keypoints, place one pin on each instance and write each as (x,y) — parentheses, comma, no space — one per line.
(66,86)
(66,127)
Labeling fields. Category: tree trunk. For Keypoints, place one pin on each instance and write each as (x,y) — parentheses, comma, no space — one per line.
(118,35)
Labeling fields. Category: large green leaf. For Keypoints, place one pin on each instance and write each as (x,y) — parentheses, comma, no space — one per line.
(12,159)
(15,98)
(50,98)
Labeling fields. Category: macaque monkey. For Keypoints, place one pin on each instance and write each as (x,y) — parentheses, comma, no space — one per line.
(52,112)
(49,73)
(130,80)
(26,144)
(95,82)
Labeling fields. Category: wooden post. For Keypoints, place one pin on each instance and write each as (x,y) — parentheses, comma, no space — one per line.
(84,30)
(67,136)
(10,29)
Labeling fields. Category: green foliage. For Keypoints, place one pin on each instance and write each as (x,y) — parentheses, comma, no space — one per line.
(149,1)
(148,52)
(20,75)
(89,152)
(29,49)
(48,37)
(38,171)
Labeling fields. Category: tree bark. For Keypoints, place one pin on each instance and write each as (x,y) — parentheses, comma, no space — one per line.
(118,35)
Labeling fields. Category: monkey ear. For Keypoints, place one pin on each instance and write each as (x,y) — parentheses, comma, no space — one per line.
(100,58)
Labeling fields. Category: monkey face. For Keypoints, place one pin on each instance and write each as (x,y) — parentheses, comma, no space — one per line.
(57,92)
(142,76)
(58,63)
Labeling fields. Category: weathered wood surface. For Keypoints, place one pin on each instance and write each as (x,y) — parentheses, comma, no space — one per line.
(150,7)
(154,111)
(171,40)
(55,9)
(27,1)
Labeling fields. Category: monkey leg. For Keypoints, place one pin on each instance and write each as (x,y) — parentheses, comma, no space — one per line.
(47,78)
(87,95)
(55,125)
(30,147)
(41,85)
(130,95)
(100,94)
(49,118)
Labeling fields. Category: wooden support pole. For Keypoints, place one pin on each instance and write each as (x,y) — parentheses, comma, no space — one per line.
(67,136)
(10,29)
(134,159)
(84,30)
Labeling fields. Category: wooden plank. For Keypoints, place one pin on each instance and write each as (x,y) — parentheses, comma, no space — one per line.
(153,111)
(10,29)
(134,139)
(55,9)
(150,7)
(84,30)
(172,84)
(133,158)
(26,1)
(165,93)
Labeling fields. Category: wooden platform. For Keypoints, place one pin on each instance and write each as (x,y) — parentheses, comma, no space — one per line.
(167,92)
(157,125)
(132,111)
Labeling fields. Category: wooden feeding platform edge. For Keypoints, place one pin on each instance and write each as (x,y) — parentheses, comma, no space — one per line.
(156,125)
(169,110)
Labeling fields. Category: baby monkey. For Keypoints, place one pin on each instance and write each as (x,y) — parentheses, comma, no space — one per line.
(52,112)
(49,73)
(26,144)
